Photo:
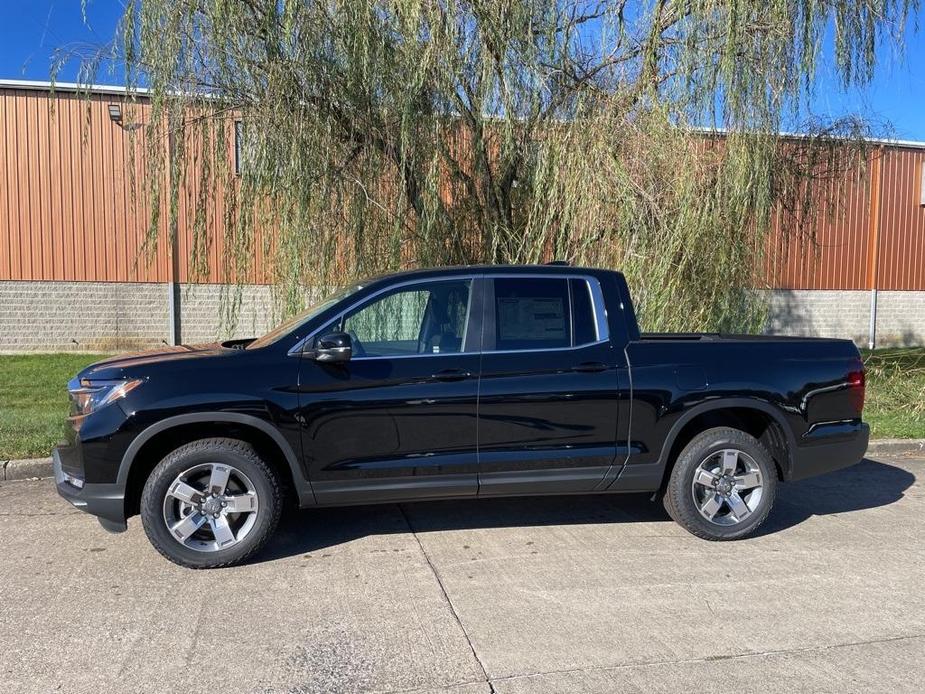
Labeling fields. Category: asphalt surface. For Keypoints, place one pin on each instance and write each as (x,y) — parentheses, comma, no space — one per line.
(569,594)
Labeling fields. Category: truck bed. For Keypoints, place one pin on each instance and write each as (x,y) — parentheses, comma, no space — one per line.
(726,337)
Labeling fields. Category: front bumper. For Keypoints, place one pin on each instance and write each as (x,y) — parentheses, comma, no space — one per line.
(828,447)
(105,501)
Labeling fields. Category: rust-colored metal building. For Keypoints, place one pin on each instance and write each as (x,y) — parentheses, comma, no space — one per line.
(68,214)
(874,239)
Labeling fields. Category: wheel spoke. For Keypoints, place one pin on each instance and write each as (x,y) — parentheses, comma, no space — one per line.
(711,506)
(704,477)
(182,491)
(222,531)
(730,461)
(219,478)
(749,480)
(738,506)
(210,496)
(184,528)
(242,503)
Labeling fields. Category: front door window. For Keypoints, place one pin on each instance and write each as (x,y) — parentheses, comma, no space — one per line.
(426,318)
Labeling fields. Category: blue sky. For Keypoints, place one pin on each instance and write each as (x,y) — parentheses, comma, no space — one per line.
(30,30)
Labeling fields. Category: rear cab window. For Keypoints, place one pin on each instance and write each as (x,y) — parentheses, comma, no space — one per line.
(583,321)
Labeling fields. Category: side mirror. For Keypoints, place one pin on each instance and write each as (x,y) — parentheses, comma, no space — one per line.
(335,347)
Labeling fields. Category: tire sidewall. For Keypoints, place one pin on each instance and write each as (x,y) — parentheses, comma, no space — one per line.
(682,478)
(197,453)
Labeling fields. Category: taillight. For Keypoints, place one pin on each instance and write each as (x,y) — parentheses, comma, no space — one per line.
(856,388)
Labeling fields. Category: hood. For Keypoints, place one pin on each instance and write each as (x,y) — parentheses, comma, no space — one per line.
(124,365)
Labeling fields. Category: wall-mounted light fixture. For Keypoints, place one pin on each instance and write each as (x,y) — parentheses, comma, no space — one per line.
(115,115)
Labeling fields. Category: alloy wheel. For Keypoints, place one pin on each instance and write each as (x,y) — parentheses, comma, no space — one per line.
(727,487)
(210,507)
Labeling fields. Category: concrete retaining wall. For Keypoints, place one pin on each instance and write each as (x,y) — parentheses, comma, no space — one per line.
(838,313)
(112,316)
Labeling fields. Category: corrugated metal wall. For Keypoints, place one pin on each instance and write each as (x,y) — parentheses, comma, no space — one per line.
(67,211)
(70,208)
(832,253)
(901,258)
(838,252)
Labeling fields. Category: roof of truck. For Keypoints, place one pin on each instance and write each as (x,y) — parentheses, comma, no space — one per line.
(557,268)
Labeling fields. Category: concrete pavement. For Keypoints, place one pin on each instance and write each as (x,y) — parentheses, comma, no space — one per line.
(569,594)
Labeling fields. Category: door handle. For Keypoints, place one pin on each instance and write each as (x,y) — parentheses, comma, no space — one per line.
(589,367)
(451,375)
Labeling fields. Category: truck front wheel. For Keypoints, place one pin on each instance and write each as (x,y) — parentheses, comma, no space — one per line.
(722,485)
(210,503)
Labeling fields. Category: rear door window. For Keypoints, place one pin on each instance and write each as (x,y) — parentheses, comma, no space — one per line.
(532,313)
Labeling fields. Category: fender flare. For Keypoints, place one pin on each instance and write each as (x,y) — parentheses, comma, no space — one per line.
(724,404)
(265,427)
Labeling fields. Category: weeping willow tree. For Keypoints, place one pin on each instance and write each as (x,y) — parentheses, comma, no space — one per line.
(383,134)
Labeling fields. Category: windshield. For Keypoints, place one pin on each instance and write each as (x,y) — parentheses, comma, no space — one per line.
(302,317)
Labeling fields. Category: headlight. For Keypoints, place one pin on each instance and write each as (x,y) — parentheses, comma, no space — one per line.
(89,396)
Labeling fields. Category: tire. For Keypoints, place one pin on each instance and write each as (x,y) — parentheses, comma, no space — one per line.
(192,525)
(731,468)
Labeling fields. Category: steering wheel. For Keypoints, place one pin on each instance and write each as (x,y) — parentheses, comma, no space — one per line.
(358,349)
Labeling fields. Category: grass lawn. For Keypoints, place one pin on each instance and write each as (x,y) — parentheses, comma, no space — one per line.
(895,405)
(34,397)
(33,401)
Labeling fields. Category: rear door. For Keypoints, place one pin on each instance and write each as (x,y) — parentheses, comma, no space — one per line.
(548,396)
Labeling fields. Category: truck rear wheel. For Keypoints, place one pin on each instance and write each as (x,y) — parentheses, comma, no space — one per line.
(210,503)
(722,485)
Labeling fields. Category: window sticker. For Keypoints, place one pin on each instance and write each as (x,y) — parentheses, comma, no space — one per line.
(531,318)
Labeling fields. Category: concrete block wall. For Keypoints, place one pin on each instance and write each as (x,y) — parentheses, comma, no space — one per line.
(112,316)
(82,316)
(846,314)
(201,307)
(900,318)
(819,313)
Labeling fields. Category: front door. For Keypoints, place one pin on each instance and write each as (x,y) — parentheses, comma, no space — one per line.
(549,389)
(397,421)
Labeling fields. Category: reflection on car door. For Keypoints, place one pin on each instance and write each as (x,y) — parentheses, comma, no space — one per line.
(548,397)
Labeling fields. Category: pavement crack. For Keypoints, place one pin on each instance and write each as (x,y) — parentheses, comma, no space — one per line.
(712,658)
(446,597)
(430,688)
(37,515)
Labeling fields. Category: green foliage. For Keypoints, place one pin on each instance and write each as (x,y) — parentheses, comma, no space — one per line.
(381,134)
(895,405)
(33,389)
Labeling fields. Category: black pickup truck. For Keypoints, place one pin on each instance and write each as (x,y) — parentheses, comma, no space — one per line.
(452,383)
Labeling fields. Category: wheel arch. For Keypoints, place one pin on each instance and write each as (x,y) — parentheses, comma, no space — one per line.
(152,444)
(756,417)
